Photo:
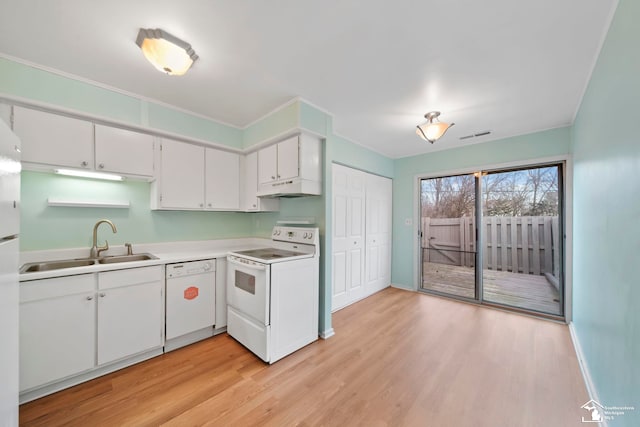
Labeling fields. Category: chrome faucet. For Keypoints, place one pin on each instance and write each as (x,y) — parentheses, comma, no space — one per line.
(95,249)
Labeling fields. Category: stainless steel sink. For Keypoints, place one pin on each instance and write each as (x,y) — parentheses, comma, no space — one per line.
(56,265)
(125,258)
(34,267)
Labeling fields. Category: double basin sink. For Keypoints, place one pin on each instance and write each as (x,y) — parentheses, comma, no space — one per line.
(34,267)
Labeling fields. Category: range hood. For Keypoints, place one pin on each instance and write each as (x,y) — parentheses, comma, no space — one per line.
(295,187)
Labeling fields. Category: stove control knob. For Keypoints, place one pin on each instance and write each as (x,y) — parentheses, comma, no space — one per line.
(310,235)
(304,236)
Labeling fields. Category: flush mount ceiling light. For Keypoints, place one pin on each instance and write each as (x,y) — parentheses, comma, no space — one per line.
(167,53)
(433,129)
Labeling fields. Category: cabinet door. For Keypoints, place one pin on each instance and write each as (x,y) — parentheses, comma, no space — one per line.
(222,179)
(130,320)
(288,158)
(182,175)
(52,139)
(250,200)
(57,333)
(267,164)
(250,182)
(123,151)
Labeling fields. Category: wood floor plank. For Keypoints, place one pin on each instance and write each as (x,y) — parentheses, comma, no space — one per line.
(398,358)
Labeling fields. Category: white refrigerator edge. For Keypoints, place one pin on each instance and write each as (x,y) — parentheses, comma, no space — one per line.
(9,254)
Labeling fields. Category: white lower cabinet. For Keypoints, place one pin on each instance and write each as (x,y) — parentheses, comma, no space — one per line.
(130,312)
(74,324)
(57,329)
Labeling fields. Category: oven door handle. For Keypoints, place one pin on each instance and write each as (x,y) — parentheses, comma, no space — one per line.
(249,266)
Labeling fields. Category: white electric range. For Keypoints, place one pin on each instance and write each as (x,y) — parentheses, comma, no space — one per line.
(273,293)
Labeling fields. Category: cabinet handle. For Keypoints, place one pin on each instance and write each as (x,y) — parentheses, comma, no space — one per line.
(254,205)
(89,298)
(201,205)
(101,166)
(84,164)
(278,176)
(273,177)
(209,205)
(102,295)
(355,243)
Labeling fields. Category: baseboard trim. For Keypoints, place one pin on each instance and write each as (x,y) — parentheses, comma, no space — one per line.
(327,333)
(584,368)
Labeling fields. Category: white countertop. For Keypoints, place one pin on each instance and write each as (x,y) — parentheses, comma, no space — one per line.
(166,253)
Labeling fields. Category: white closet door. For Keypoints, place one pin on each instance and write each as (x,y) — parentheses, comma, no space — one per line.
(378,233)
(348,254)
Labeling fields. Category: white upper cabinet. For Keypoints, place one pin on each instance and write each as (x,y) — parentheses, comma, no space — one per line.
(123,151)
(194,177)
(54,140)
(268,164)
(181,180)
(288,156)
(250,200)
(222,180)
(292,167)
(50,139)
(278,162)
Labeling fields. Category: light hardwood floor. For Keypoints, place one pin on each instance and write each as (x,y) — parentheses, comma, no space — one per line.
(398,358)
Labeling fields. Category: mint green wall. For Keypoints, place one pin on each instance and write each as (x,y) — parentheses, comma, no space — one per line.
(335,149)
(536,145)
(606,288)
(278,122)
(42,86)
(45,227)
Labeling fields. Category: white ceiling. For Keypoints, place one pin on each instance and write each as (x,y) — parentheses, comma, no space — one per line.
(512,67)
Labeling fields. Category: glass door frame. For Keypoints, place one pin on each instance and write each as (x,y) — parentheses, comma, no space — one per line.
(564,208)
(477,260)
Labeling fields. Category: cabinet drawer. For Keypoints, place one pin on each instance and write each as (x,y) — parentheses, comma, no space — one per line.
(35,290)
(128,277)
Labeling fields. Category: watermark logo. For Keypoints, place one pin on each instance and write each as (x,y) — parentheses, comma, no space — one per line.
(595,412)
(598,413)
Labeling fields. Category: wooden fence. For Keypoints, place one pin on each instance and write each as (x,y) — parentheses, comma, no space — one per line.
(527,244)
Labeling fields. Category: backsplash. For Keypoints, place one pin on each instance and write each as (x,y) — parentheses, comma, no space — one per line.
(48,227)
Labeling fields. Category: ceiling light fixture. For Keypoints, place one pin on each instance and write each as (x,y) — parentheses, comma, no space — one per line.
(433,129)
(167,53)
(89,174)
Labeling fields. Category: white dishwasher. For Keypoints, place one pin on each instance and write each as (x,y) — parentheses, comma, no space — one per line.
(191,302)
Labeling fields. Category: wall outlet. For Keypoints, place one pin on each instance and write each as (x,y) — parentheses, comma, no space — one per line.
(408,221)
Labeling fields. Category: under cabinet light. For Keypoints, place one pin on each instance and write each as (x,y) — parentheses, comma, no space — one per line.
(89,174)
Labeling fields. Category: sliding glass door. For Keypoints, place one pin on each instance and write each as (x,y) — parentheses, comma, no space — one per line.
(521,262)
(514,257)
(448,240)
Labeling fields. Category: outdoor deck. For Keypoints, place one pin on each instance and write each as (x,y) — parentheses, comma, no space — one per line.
(526,291)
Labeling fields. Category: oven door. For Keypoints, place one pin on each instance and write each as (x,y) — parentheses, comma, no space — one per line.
(248,289)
